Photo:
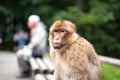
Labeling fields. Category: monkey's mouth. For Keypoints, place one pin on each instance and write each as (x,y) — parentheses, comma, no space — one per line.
(57,45)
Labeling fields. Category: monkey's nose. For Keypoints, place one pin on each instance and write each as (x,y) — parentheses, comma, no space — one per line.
(57,39)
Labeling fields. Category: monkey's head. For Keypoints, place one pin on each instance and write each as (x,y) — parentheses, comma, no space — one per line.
(61,33)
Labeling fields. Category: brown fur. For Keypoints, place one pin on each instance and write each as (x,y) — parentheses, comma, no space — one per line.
(76,59)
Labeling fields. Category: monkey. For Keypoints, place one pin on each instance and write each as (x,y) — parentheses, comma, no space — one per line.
(73,56)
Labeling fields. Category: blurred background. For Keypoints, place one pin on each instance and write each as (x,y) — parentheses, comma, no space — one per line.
(96,20)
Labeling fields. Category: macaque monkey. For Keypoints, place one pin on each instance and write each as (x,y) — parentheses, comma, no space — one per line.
(74,58)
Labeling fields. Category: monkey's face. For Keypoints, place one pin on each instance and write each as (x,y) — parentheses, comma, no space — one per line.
(58,37)
(61,33)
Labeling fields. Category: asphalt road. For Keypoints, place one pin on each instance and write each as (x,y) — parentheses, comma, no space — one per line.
(9,66)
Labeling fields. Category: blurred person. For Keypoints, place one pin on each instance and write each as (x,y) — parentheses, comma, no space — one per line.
(36,47)
(19,39)
(27,38)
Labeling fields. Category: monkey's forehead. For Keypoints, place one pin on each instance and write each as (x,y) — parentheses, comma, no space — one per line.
(63,24)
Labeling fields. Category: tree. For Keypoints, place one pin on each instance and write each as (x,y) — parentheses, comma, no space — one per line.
(96,20)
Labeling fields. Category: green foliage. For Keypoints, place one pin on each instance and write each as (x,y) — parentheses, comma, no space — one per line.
(110,72)
(4,10)
(98,20)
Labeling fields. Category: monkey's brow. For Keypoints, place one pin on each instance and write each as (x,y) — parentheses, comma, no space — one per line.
(59,30)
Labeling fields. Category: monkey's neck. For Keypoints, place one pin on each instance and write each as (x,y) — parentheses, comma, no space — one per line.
(71,40)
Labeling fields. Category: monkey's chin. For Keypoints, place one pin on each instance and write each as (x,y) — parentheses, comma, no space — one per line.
(57,46)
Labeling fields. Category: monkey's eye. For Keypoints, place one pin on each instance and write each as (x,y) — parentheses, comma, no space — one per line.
(55,31)
(62,30)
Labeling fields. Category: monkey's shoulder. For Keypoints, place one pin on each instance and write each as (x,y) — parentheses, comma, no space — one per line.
(82,42)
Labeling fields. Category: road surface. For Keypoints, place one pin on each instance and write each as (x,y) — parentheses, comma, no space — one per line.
(9,66)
